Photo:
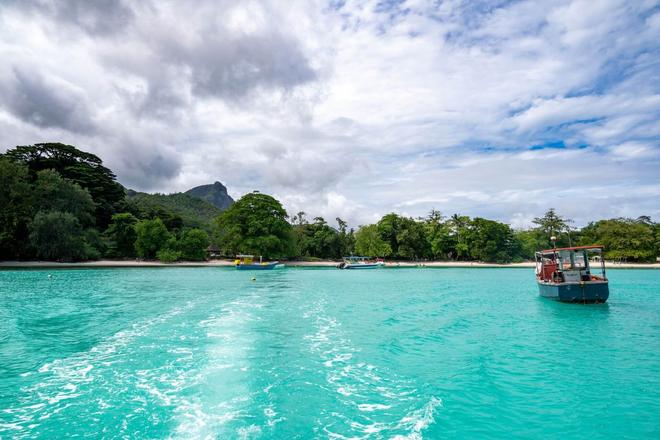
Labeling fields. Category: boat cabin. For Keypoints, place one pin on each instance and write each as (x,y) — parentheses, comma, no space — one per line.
(244,259)
(571,265)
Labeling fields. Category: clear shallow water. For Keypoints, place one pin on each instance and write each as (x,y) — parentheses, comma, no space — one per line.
(410,353)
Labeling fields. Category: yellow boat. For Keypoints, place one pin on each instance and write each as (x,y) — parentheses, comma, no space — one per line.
(246,262)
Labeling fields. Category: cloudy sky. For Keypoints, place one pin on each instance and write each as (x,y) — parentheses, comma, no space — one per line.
(351,108)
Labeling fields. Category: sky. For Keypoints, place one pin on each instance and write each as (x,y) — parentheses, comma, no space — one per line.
(498,109)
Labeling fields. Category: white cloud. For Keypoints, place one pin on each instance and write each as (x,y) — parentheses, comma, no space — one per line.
(352,110)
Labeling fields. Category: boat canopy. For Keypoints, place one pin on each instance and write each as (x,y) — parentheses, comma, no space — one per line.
(356,258)
(594,248)
(569,264)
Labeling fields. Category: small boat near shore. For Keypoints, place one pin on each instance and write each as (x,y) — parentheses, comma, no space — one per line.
(354,262)
(246,262)
(565,274)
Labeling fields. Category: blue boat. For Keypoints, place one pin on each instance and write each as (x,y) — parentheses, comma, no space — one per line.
(246,262)
(354,262)
(565,274)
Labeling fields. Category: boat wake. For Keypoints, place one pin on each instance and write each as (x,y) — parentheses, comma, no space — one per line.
(387,404)
(61,383)
(224,403)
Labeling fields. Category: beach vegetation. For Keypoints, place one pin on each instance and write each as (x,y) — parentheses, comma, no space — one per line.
(82,168)
(121,235)
(255,224)
(369,242)
(151,236)
(492,241)
(406,236)
(56,235)
(316,239)
(15,208)
(192,245)
(60,203)
(346,238)
(624,239)
(51,192)
(167,255)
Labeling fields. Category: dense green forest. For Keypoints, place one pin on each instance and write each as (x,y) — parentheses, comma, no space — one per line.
(60,203)
(193,211)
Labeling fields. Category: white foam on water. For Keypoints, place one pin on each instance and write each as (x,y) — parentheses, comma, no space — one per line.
(347,390)
(369,407)
(271,415)
(252,431)
(65,378)
(356,381)
(227,358)
(197,423)
(14,426)
(418,420)
(344,357)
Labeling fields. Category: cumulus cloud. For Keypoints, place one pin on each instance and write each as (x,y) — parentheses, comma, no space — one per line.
(46,101)
(353,108)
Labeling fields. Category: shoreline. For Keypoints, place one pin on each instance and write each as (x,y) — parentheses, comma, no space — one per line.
(321,263)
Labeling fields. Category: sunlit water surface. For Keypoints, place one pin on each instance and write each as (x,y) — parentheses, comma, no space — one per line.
(301,353)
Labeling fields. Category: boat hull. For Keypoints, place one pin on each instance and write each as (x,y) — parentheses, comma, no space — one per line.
(257,266)
(585,292)
(362,266)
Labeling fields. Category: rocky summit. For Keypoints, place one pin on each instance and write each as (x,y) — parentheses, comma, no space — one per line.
(216,194)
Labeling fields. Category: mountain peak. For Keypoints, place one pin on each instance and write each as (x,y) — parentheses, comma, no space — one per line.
(215,193)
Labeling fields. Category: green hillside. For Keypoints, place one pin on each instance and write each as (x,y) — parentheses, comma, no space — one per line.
(195,212)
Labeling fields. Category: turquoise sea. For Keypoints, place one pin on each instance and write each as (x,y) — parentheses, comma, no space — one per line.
(314,353)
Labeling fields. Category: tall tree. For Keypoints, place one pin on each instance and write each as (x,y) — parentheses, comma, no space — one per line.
(257,224)
(151,236)
(492,241)
(193,244)
(53,193)
(317,239)
(438,235)
(623,238)
(121,235)
(57,236)
(346,238)
(368,242)
(83,168)
(411,239)
(15,209)
(388,228)
(299,219)
(552,224)
(459,229)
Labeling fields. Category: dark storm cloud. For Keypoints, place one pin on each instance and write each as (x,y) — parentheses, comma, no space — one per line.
(220,65)
(45,103)
(231,67)
(208,59)
(144,165)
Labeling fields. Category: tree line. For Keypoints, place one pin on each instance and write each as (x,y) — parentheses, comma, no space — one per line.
(60,203)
